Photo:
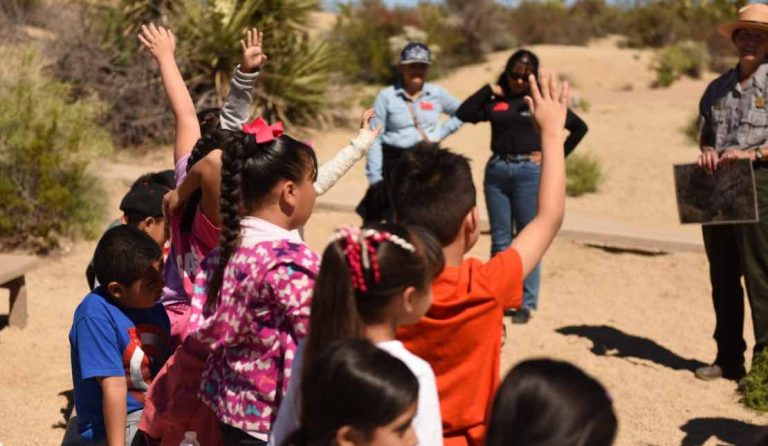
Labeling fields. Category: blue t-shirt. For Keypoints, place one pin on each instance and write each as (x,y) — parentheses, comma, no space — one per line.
(109,340)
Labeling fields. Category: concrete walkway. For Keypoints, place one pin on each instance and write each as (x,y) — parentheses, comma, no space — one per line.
(586,229)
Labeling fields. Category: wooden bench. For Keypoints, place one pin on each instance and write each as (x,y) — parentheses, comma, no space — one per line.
(13,268)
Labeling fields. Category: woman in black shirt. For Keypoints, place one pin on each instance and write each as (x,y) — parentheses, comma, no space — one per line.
(512,174)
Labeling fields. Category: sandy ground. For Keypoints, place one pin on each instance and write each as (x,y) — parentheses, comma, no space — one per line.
(640,324)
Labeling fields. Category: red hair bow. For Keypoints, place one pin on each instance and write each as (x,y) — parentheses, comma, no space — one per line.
(262,131)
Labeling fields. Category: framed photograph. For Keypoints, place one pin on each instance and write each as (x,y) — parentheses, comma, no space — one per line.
(724,197)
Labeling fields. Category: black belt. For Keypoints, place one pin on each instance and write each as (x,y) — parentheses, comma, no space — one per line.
(513,158)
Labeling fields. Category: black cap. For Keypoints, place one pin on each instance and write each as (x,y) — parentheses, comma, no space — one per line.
(145,199)
(416,53)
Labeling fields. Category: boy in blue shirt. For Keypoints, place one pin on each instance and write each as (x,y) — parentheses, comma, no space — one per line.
(120,337)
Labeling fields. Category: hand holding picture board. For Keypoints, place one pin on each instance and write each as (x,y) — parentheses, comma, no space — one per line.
(723,197)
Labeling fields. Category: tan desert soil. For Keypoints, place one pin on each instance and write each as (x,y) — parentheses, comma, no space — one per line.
(639,324)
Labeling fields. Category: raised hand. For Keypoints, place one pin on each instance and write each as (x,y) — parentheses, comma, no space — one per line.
(253,53)
(548,103)
(158,40)
(365,122)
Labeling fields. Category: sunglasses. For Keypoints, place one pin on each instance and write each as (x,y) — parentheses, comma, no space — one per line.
(518,77)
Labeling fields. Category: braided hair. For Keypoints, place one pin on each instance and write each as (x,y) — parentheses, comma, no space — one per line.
(249,173)
(210,139)
(348,295)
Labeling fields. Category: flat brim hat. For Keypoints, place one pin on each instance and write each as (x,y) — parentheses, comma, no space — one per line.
(753,16)
(416,53)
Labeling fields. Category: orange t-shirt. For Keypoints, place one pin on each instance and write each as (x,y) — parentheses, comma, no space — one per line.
(460,337)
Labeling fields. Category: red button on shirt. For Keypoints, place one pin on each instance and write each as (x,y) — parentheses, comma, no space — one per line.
(501,106)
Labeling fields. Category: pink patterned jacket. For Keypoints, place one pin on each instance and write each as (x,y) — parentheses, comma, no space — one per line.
(254,331)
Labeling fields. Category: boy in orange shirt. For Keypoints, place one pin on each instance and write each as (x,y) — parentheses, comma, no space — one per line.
(460,336)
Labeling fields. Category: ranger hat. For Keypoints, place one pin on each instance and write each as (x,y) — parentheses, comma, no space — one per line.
(752,16)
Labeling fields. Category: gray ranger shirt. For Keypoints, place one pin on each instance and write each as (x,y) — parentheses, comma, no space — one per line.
(732,116)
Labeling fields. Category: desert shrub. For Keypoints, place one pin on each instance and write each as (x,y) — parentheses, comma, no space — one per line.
(756,383)
(46,144)
(685,58)
(660,23)
(369,35)
(534,22)
(584,174)
(100,54)
(18,10)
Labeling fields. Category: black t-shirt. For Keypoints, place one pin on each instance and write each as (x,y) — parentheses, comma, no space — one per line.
(512,130)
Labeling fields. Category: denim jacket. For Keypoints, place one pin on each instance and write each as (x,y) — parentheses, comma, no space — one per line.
(399,129)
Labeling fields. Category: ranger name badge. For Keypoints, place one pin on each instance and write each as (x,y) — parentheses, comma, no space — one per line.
(760,102)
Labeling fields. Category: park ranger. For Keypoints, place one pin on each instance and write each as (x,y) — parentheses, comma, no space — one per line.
(734,125)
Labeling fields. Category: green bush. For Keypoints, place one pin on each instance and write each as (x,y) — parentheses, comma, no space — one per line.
(685,58)
(756,384)
(584,174)
(46,144)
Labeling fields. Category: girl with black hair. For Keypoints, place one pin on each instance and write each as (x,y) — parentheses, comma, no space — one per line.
(371,281)
(250,304)
(512,174)
(544,402)
(196,135)
(355,394)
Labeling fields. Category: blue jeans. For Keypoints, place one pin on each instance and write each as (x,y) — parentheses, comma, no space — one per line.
(511,191)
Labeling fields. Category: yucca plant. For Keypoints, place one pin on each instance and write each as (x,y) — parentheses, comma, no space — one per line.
(295,80)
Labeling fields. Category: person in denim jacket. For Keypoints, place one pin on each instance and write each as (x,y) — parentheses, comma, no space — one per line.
(409,112)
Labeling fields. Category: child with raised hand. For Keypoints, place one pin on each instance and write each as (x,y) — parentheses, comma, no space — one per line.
(547,402)
(460,336)
(120,337)
(355,394)
(251,300)
(371,281)
(197,134)
(252,295)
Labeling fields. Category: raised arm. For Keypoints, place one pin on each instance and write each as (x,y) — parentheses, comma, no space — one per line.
(204,175)
(577,129)
(162,44)
(548,105)
(237,108)
(332,171)
(473,108)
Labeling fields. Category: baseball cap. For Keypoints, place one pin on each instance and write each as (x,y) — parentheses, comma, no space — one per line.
(145,199)
(416,53)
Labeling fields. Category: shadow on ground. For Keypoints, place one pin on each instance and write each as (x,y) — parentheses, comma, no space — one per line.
(66,411)
(700,430)
(609,341)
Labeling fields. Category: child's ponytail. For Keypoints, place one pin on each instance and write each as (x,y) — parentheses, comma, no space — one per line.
(229,207)
(360,272)
(334,315)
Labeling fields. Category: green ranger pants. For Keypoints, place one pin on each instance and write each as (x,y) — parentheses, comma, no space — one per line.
(735,251)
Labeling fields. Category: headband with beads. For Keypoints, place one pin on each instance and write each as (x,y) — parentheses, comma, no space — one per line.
(360,250)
